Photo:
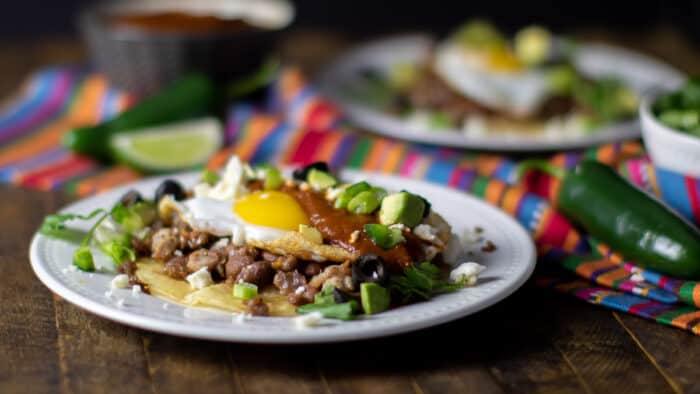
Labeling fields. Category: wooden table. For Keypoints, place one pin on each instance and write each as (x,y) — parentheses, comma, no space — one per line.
(534,341)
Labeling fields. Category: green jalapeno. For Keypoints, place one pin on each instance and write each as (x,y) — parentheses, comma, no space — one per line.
(633,223)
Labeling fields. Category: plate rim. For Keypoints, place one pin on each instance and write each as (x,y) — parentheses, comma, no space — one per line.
(360,115)
(156,324)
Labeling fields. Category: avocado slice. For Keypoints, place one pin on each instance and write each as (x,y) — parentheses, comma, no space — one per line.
(320,180)
(375,298)
(403,207)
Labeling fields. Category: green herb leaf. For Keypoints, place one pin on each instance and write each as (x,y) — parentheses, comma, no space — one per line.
(55,225)
(344,311)
(422,281)
(118,251)
(135,217)
(324,302)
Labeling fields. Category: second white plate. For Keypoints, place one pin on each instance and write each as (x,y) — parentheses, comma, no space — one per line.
(641,72)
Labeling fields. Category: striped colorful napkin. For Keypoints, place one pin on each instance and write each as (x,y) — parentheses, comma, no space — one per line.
(297,126)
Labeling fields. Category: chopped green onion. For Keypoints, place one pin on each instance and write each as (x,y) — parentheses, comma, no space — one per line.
(364,203)
(210,177)
(384,236)
(82,258)
(350,192)
(245,291)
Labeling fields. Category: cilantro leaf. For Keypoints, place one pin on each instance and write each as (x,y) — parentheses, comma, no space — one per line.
(421,282)
(55,225)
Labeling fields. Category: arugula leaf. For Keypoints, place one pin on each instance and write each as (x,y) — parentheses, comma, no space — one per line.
(422,281)
(55,225)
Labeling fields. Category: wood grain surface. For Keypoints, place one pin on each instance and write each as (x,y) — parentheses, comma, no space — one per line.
(536,341)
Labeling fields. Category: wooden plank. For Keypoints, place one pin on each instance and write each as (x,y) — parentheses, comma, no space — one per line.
(602,353)
(275,369)
(513,340)
(188,365)
(27,330)
(676,353)
(98,355)
(372,366)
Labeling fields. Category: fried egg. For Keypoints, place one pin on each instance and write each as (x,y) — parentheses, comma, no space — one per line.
(268,220)
(493,78)
(260,216)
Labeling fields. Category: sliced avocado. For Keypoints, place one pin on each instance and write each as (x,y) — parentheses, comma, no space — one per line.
(403,207)
(320,180)
(347,194)
(375,298)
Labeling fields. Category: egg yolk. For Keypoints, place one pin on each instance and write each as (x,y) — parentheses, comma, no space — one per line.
(271,209)
(502,59)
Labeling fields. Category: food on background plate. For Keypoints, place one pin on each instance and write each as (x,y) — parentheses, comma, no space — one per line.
(251,241)
(479,81)
(632,223)
(680,110)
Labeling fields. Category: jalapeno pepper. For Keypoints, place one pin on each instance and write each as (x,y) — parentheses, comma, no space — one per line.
(633,223)
(191,96)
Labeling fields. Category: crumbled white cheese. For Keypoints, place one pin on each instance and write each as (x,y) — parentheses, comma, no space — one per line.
(308,320)
(72,268)
(136,291)
(470,238)
(241,318)
(200,279)
(109,294)
(238,235)
(468,272)
(425,232)
(91,275)
(177,253)
(299,290)
(165,306)
(120,281)
(231,184)
(333,192)
(221,243)
(474,126)
(399,226)
(120,303)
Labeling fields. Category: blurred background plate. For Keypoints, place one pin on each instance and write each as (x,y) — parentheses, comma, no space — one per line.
(644,74)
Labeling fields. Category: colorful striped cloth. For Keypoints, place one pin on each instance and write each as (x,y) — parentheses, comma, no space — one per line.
(297,126)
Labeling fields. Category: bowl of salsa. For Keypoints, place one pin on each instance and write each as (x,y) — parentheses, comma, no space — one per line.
(143,45)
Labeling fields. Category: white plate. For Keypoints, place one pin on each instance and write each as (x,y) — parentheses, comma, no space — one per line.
(507,269)
(642,73)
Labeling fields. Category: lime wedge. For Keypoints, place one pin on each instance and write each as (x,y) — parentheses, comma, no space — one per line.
(170,147)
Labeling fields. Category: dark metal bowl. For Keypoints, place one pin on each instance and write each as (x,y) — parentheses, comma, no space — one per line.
(143,61)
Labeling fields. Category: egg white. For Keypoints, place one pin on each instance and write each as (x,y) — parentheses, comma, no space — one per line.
(217,217)
(518,93)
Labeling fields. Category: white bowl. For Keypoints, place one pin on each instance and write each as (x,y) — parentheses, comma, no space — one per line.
(669,149)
